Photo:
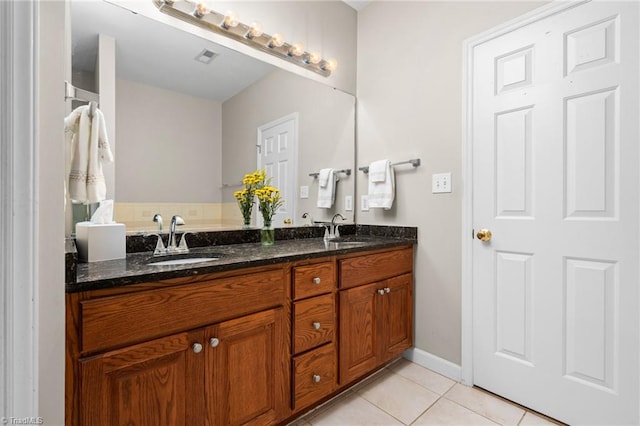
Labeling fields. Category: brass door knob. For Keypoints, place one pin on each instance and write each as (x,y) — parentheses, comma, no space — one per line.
(288,221)
(484,235)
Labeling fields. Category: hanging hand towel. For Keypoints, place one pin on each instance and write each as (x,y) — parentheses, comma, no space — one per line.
(90,149)
(326,188)
(381,192)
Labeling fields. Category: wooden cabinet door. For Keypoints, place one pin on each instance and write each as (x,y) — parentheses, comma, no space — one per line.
(397,314)
(247,370)
(154,383)
(358,331)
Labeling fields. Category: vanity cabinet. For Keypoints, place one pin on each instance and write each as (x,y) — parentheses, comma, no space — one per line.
(376,311)
(228,363)
(256,346)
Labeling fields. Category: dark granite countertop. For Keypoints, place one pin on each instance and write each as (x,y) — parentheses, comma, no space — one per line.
(135,268)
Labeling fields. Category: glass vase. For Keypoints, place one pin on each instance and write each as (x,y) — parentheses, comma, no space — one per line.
(246,222)
(267,235)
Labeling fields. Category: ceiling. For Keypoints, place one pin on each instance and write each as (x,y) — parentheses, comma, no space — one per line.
(160,55)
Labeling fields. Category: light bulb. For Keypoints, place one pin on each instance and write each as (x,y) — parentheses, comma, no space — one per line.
(313,58)
(297,49)
(330,65)
(255,30)
(277,40)
(202,8)
(230,20)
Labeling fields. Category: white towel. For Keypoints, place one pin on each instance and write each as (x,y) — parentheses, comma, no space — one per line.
(323,177)
(326,193)
(381,193)
(378,171)
(90,149)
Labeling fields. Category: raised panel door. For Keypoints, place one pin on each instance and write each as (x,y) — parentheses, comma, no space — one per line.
(358,331)
(153,383)
(247,370)
(397,316)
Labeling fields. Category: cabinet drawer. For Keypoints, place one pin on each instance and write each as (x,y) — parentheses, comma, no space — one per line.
(314,375)
(314,322)
(312,280)
(115,321)
(375,267)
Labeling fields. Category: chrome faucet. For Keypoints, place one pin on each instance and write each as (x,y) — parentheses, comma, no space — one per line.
(332,231)
(158,219)
(175,220)
(308,215)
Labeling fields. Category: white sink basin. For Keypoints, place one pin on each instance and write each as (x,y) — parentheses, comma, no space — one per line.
(183,261)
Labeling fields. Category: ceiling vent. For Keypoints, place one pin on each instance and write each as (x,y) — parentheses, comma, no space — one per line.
(206,56)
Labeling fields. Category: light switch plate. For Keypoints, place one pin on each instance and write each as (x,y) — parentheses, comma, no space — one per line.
(441,183)
(348,203)
(304,191)
(364,203)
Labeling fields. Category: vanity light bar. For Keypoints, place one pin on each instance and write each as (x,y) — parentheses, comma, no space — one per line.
(197,14)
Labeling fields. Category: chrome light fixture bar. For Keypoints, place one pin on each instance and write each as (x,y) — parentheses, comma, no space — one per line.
(228,25)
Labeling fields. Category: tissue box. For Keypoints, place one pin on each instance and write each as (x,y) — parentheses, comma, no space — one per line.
(97,242)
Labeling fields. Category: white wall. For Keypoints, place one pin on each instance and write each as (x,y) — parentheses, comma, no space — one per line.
(49,207)
(410,105)
(169,146)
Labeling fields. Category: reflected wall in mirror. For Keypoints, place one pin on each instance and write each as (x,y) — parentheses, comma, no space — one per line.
(187,132)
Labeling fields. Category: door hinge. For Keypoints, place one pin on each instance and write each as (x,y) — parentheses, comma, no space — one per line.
(473,233)
(259,149)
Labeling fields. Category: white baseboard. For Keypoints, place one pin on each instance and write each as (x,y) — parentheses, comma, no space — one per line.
(434,363)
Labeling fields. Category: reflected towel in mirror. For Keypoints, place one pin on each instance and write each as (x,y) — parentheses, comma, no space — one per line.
(327,179)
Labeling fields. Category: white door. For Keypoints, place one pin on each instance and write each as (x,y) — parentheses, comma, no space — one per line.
(277,154)
(555,179)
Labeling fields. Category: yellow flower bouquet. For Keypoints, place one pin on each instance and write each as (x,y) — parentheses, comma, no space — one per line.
(246,196)
(269,202)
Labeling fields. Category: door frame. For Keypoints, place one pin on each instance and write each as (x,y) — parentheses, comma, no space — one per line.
(468,46)
(294,149)
(19,268)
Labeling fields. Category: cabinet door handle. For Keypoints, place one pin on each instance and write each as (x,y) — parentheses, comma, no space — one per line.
(387,290)
(316,378)
(316,280)
(197,348)
(381,292)
(316,325)
(214,342)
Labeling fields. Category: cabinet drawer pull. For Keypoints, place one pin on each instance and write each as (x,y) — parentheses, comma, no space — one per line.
(316,280)
(214,342)
(381,292)
(387,290)
(316,378)
(197,348)
(316,325)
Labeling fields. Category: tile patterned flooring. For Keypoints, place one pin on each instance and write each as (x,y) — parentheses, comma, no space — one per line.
(405,393)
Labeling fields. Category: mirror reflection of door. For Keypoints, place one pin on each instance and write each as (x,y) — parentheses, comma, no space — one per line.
(277,141)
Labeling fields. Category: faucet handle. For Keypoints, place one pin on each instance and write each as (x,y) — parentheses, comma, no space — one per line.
(182,247)
(158,218)
(160,248)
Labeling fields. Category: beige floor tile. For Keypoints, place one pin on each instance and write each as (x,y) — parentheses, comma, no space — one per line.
(422,376)
(445,412)
(299,422)
(485,404)
(398,396)
(353,410)
(531,419)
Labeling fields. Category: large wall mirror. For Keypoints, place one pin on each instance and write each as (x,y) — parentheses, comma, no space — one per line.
(192,117)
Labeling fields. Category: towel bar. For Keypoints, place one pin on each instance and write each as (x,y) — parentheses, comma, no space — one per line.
(415,162)
(345,171)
